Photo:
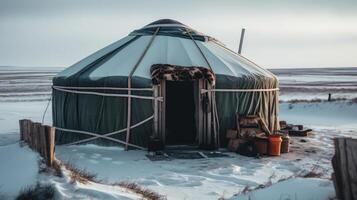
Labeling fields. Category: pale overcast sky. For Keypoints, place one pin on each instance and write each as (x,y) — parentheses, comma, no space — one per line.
(279,33)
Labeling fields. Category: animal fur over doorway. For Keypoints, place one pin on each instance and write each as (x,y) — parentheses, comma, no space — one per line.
(180,73)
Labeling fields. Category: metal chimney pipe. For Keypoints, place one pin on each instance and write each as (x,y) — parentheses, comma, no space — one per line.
(241,41)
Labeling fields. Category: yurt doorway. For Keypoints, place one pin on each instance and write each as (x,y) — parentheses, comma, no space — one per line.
(184,112)
(180,112)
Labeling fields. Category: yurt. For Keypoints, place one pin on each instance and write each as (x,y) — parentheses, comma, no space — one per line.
(164,81)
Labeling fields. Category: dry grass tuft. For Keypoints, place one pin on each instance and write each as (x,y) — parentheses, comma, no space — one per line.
(146,193)
(247,189)
(38,192)
(312,174)
(57,168)
(80,175)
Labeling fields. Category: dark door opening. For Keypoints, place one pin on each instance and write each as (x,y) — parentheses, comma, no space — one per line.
(180,113)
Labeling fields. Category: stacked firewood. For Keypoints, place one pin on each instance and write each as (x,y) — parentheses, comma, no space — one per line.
(248,128)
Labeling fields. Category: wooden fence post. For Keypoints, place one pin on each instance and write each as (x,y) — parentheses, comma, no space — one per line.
(50,147)
(25,126)
(40,138)
(42,141)
(35,133)
(27,131)
(344,164)
(31,134)
(22,128)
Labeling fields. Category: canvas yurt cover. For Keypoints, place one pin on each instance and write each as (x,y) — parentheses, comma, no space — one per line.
(166,81)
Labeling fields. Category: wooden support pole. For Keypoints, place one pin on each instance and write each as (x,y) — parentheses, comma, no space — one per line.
(128,124)
(241,41)
(156,115)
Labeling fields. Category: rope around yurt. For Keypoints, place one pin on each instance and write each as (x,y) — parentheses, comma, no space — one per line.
(106,136)
(74,90)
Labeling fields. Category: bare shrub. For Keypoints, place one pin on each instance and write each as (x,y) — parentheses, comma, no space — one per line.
(312,173)
(38,192)
(146,193)
(80,175)
(269,183)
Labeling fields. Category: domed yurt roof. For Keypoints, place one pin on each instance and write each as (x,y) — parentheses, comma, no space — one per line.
(164,41)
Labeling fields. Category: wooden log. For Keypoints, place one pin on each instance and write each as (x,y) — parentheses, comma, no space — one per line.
(50,147)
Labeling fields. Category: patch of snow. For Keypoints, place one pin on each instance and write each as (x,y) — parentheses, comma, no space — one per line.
(325,114)
(209,178)
(95,191)
(296,188)
(18,169)
(12,112)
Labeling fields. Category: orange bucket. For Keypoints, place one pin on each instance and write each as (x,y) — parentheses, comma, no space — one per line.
(274,145)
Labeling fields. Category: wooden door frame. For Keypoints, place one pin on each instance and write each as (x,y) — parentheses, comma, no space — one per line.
(203,119)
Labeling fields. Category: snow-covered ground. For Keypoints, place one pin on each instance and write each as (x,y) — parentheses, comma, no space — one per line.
(18,169)
(208,178)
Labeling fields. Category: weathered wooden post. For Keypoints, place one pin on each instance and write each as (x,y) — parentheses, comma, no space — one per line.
(35,136)
(50,144)
(27,130)
(30,136)
(344,164)
(42,141)
(22,128)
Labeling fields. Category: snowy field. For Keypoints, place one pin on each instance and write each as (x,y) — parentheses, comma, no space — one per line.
(317,83)
(24,94)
